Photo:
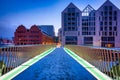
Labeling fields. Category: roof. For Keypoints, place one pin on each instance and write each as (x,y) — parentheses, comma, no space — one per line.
(71,5)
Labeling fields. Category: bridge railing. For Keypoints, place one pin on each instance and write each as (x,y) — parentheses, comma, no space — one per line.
(11,57)
(105,59)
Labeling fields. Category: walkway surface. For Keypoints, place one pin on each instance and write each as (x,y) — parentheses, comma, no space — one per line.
(57,65)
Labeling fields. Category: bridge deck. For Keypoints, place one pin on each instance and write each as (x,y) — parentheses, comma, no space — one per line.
(58,65)
(55,64)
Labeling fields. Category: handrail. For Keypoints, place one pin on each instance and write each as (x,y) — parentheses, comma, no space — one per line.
(106,60)
(13,56)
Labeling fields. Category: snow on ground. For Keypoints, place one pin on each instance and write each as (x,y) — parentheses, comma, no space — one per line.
(58,65)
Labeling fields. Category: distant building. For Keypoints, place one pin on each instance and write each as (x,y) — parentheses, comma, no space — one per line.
(99,27)
(60,35)
(34,35)
(47,29)
(4,41)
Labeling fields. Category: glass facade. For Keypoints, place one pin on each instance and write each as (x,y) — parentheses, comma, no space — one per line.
(88,21)
(108,41)
(71,40)
(88,41)
(71,20)
(107,18)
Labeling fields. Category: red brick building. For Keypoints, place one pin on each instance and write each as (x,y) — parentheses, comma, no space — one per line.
(34,35)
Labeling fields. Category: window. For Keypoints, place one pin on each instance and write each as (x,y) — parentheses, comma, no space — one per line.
(73,14)
(105,8)
(110,23)
(101,23)
(110,28)
(105,13)
(71,10)
(105,18)
(105,33)
(115,18)
(110,18)
(111,39)
(69,28)
(107,38)
(110,13)
(115,28)
(110,33)
(110,8)
(69,18)
(105,28)
(88,40)
(73,28)
(73,18)
(115,13)
(69,14)
(71,39)
(105,23)
(116,33)
(73,23)
(104,38)
(69,23)
(101,13)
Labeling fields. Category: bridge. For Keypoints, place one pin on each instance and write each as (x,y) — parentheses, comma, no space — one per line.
(48,62)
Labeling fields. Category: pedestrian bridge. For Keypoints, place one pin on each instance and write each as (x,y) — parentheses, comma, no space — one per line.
(48,62)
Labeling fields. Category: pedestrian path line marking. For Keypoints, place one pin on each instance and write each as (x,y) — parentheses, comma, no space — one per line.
(13,73)
(90,68)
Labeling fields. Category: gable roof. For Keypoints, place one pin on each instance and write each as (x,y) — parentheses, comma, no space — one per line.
(107,2)
(71,5)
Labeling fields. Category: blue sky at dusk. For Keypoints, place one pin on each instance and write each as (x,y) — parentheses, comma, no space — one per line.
(39,12)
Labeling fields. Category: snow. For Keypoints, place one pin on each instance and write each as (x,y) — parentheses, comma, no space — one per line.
(58,65)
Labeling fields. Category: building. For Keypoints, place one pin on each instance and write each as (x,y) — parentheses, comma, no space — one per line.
(88,25)
(47,29)
(60,35)
(5,41)
(91,27)
(34,35)
(71,24)
(108,23)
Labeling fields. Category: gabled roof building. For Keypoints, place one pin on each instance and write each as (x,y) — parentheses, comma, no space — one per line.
(91,27)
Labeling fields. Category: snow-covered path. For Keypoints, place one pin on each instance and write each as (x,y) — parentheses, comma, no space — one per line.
(58,65)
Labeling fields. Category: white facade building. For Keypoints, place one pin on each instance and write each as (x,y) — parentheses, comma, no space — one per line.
(99,27)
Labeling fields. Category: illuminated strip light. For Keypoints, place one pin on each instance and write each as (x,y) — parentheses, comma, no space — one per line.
(92,69)
(22,67)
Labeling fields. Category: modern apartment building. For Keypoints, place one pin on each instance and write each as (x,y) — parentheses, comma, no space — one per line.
(34,35)
(71,24)
(108,23)
(99,27)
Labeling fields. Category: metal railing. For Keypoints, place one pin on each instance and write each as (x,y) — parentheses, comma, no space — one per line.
(105,59)
(11,57)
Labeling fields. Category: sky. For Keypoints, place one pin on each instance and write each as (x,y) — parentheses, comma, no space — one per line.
(40,12)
